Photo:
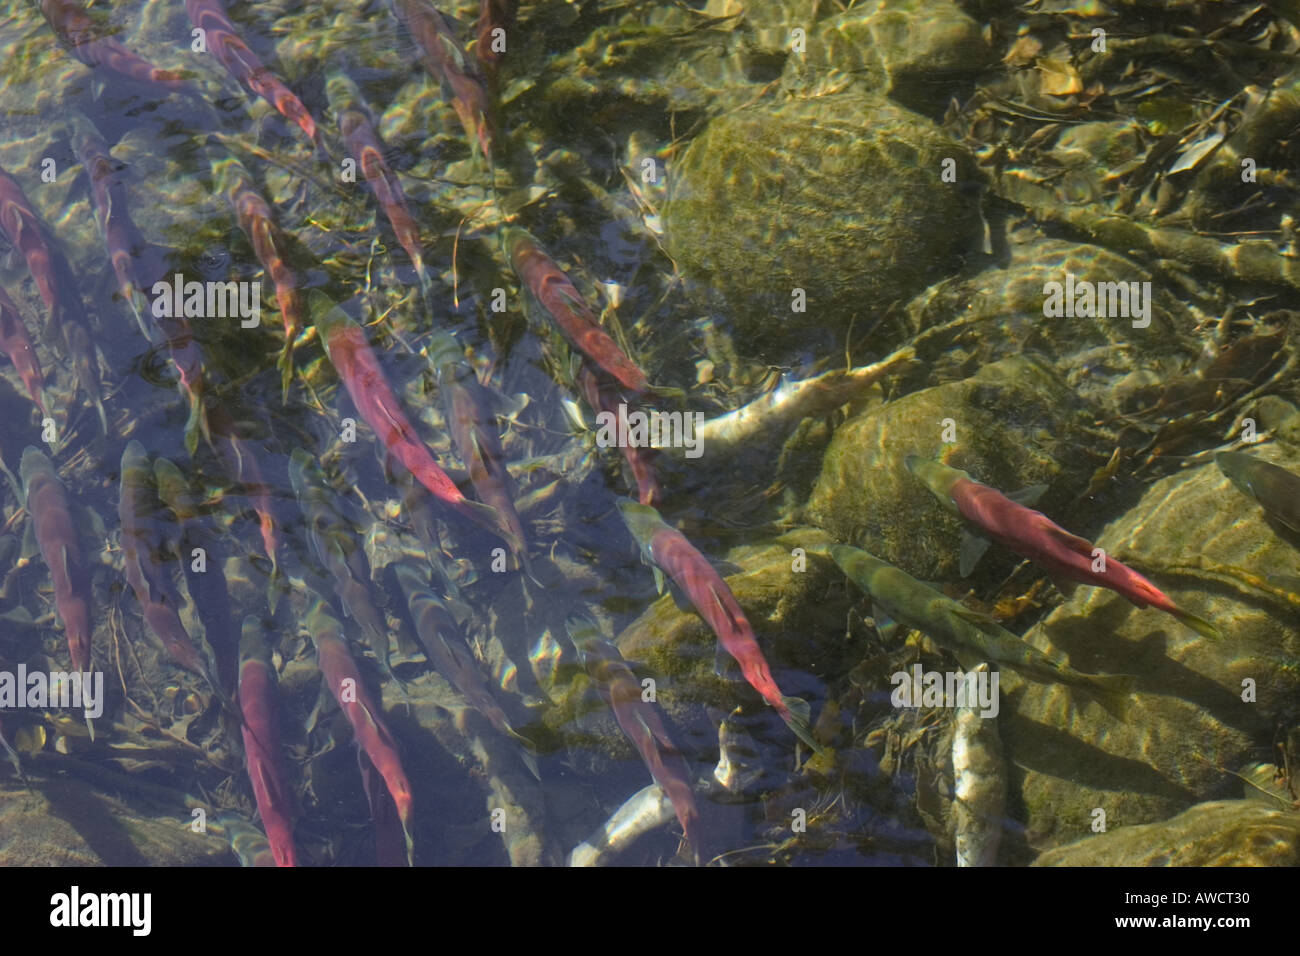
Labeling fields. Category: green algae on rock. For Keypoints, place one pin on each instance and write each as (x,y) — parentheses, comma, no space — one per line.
(844,197)
(1203,706)
(1011,425)
(1221,833)
(965,322)
(916,50)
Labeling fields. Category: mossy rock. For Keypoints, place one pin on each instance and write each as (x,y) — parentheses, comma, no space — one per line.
(1222,833)
(918,51)
(64,822)
(1195,536)
(840,196)
(977,319)
(1013,424)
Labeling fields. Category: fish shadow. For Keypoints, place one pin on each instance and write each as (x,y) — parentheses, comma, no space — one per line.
(1039,747)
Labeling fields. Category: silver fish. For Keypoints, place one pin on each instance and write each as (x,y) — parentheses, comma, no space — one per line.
(644,811)
(979,785)
(739,767)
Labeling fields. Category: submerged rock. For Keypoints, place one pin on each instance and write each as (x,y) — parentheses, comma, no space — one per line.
(840,197)
(64,822)
(916,50)
(1203,706)
(966,322)
(1222,833)
(1012,426)
(801,635)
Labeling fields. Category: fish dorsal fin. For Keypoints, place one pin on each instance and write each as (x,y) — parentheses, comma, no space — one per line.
(978,618)
(725,568)
(886,626)
(973,547)
(1071,541)
(1064,585)
(661,582)
(269,784)
(717,599)
(29,546)
(1028,496)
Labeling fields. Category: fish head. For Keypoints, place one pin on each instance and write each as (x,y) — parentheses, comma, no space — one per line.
(642,521)
(34,462)
(320,618)
(443,349)
(936,476)
(1238,468)
(301,471)
(341,91)
(134,459)
(517,242)
(582,629)
(326,314)
(252,639)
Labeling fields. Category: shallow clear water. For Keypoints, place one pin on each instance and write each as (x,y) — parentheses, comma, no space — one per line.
(595,109)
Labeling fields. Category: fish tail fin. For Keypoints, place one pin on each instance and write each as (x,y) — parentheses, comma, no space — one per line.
(285,365)
(798,717)
(99,408)
(1113,692)
(196,425)
(486,517)
(528,754)
(1198,624)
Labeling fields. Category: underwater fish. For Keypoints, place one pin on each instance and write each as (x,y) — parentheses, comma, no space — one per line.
(121,237)
(174,490)
(640,721)
(445,59)
(53,277)
(778,411)
(566,307)
(138,265)
(247,842)
(668,551)
(345,684)
(16,342)
(90,44)
(968,634)
(254,215)
(365,147)
(262,753)
(739,766)
(85,366)
(56,536)
(141,536)
(338,547)
(492,15)
(47,265)
(390,839)
(440,636)
(241,63)
(1033,535)
(646,810)
(1276,489)
(979,784)
(641,460)
(241,465)
(358,368)
(467,408)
